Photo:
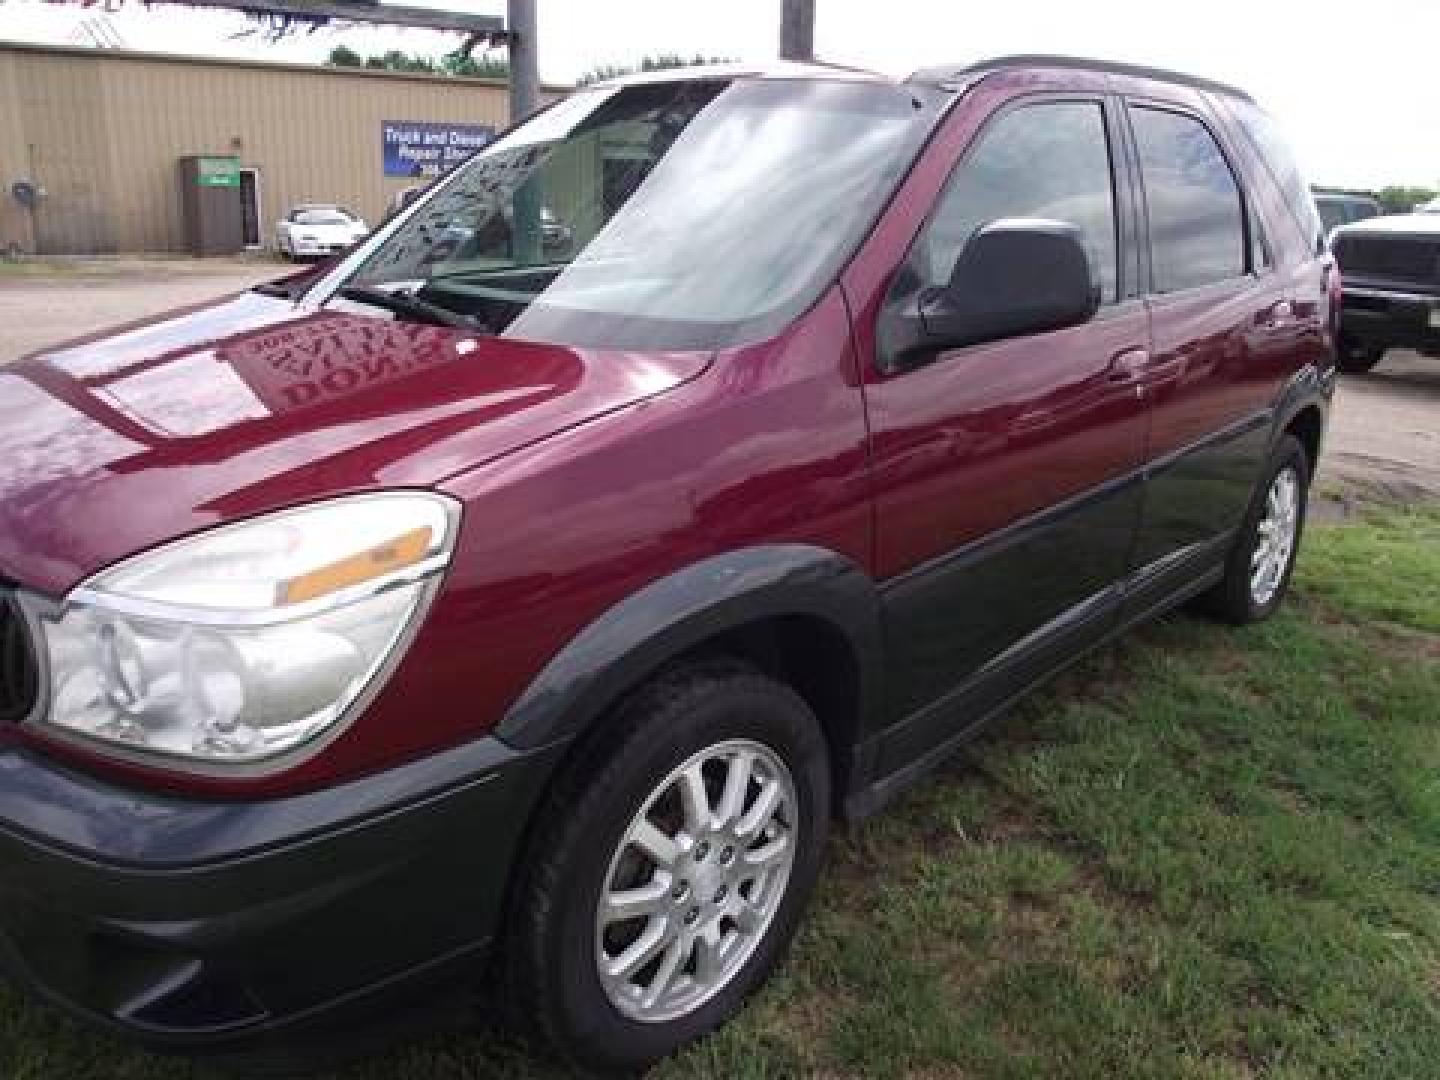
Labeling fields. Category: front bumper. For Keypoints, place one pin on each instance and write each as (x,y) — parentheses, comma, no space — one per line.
(1389,318)
(192,924)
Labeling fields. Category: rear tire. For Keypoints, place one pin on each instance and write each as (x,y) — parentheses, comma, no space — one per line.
(643,821)
(1358,359)
(1258,569)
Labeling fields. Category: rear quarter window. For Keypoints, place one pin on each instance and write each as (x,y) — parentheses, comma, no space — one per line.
(1269,144)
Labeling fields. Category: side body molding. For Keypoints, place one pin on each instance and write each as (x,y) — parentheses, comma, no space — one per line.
(677,613)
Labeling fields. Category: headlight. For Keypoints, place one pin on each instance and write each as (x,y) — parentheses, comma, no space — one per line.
(241,644)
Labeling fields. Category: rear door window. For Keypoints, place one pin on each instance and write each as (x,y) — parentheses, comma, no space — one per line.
(1196,213)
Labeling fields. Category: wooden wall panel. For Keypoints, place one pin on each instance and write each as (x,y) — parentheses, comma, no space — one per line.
(14,158)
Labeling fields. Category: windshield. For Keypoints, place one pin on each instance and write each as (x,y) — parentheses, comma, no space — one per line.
(320,217)
(682,214)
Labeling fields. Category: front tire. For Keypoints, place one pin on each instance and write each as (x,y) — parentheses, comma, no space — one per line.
(671,867)
(1257,572)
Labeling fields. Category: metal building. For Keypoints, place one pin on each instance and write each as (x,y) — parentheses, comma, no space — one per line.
(101,132)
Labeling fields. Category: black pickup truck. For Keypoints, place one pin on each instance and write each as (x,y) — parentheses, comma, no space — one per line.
(1391,272)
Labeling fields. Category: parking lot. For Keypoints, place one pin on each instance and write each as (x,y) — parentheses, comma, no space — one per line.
(1385,433)
(42,306)
(1384,436)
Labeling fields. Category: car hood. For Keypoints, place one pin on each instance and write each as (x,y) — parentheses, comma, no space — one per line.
(1393,225)
(117,443)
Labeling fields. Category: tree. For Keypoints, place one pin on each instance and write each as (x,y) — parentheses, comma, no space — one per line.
(468,67)
(1401,200)
(456,64)
(658,62)
(343,56)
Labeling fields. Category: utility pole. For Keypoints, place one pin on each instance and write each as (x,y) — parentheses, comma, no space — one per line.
(797,30)
(524,62)
(524,100)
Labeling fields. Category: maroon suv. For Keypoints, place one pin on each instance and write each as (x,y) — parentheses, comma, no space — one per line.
(473,591)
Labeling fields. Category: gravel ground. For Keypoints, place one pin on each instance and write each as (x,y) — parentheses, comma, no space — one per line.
(40,306)
(1384,441)
(1384,438)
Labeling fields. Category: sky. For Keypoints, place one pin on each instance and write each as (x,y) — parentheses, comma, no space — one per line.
(1354,84)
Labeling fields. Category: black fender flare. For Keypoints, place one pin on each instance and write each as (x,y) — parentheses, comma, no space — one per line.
(1309,388)
(675,614)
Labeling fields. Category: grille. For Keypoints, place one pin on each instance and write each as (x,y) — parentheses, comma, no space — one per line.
(1412,259)
(18,675)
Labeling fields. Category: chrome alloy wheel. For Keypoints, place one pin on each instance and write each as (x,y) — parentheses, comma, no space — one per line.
(696,880)
(1275,539)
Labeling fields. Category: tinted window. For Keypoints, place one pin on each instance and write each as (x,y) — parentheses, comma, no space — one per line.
(686,214)
(1265,136)
(1049,160)
(1360,209)
(319,217)
(1197,225)
(1332,213)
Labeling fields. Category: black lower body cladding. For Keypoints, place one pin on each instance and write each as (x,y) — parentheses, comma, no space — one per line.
(217,926)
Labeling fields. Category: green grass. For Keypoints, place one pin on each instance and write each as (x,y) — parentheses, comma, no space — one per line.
(43,269)
(29,269)
(1203,853)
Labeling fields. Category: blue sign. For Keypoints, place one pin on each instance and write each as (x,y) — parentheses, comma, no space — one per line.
(427,150)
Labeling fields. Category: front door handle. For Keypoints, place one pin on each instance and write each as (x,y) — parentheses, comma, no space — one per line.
(1129,366)
(1129,369)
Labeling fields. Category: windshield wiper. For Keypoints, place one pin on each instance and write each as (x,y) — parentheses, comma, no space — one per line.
(404,303)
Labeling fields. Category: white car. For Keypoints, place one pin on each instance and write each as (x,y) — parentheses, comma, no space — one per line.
(1431,207)
(314,230)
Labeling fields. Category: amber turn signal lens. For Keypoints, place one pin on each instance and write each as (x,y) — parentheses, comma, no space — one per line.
(405,550)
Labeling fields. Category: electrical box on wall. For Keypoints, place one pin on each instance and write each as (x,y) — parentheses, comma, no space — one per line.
(210,204)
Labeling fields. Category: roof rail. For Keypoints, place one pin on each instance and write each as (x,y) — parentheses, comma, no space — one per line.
(956,73)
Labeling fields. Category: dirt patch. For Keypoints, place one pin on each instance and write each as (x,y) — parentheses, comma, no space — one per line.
(1384,440)
(45,305)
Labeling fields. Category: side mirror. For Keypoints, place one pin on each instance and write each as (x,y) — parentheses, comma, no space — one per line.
(1015,276)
